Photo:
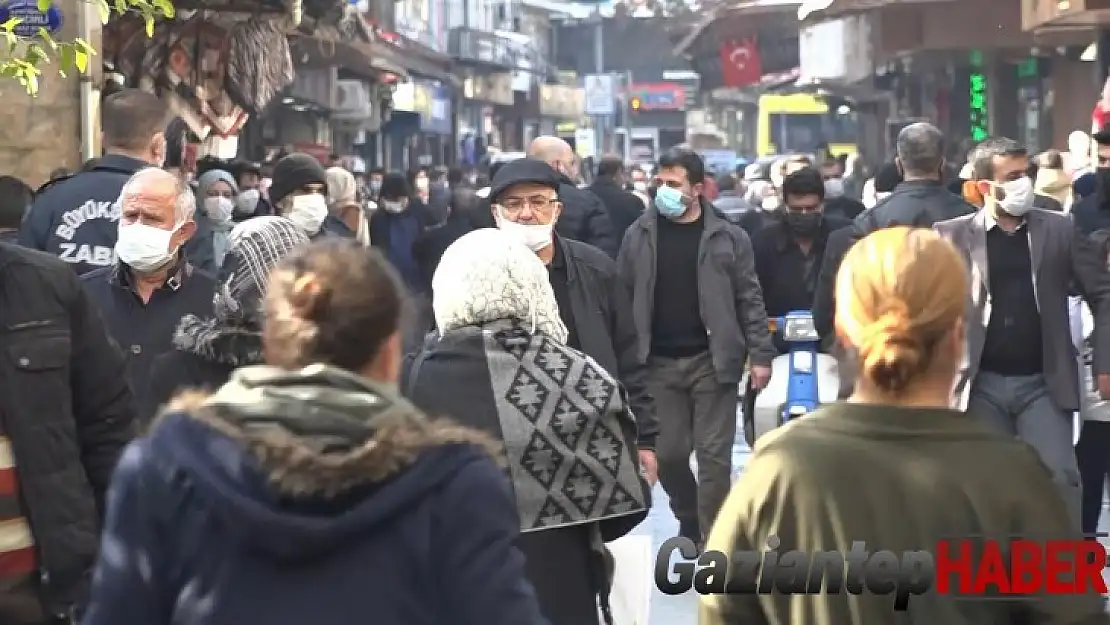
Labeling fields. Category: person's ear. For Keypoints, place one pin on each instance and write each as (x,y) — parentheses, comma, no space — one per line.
(158,147)
(185,232)
(697,188)
(984,188)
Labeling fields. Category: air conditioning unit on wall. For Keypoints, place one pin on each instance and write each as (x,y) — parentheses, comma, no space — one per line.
(353,101)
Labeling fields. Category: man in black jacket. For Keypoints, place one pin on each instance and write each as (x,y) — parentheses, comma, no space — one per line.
(76,217)
(67,415)
(623,207)
(583,217)
(593,307)
(920,200)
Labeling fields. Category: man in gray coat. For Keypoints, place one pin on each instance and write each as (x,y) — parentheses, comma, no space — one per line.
(1021,372)
(698,312)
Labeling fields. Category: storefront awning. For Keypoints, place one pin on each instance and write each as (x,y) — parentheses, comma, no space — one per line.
(821,10)
(736,9)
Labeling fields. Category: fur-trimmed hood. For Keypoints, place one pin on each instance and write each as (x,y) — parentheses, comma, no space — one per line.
(299,461)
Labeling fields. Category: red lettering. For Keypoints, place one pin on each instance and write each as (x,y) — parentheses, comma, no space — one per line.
(991,570)
(947,566)
(1090,560)
(1026,573)
(1056,564)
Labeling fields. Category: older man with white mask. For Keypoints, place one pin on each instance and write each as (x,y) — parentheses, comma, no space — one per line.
(144,295)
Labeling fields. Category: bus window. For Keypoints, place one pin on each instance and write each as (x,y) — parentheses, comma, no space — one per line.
(798,133)
(842,129)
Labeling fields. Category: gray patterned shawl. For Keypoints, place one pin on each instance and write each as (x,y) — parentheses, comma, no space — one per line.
(567,430)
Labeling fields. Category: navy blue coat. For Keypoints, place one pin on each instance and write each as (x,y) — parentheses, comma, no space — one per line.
(196,535)
(77,218)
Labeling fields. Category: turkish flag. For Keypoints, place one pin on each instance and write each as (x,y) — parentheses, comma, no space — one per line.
(740,63)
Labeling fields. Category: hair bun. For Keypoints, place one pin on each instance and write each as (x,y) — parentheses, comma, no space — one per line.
(890,356)
(307,297)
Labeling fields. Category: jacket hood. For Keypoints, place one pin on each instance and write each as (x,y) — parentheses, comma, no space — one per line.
(299,463)
(1055,183)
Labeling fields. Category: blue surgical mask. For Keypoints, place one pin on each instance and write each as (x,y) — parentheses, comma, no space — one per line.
(669,202)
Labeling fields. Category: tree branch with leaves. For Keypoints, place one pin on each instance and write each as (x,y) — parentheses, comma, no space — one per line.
(29,55)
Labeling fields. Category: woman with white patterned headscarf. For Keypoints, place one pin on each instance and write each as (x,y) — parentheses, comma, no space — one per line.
(499,363)
(206,351)
(344,205)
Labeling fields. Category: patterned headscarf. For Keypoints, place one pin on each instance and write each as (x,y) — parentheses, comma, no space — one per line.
(256,245)
(488,276)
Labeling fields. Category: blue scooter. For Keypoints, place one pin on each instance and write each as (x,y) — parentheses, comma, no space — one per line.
(801,379)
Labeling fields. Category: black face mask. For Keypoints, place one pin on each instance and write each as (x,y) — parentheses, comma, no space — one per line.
(803,224)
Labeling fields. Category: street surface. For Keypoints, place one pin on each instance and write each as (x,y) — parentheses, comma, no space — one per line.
(661,525)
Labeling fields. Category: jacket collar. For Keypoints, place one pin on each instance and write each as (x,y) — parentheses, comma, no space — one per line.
(121,275)
(713,222)
(119,162)
(322,430)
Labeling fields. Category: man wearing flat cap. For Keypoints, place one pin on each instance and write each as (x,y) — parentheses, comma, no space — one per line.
(598,315)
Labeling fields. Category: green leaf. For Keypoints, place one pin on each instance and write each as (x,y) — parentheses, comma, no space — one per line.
(149,27)
(103,9)
(81,60)
(44,5)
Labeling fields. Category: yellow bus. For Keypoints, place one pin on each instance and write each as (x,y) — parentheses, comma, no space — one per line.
(800,123)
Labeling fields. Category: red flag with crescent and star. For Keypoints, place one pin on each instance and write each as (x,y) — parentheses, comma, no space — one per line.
(740,63)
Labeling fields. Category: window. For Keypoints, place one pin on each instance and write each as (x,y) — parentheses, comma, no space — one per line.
(805,133)
(796,132)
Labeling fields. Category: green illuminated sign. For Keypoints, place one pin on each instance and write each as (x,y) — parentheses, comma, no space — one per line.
(977,97)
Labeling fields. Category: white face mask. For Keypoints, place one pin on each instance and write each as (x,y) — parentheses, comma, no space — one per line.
(422,184)
(144,248)
(770,203)
(640,186)
(1018,198)
(247,202)
(392,206)
(219,209)
(535,236)
(834,187)
(309,212)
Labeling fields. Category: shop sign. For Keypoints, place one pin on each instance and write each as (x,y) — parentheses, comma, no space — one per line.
(31,18)
(437,117)
(562,101)
(660,96)
(492,88)
(836,51)
(405,98)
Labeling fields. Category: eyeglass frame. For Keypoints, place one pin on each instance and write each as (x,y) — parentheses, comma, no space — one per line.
(547,209)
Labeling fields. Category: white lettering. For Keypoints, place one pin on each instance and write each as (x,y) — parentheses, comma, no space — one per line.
(89,254)
(72,220)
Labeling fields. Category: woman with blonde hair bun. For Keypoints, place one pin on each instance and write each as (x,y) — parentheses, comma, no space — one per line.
(928,472)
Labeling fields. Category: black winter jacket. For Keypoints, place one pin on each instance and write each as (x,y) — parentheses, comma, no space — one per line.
(919,203)
(622,207)
(66,407)
(603,322)
(585,219)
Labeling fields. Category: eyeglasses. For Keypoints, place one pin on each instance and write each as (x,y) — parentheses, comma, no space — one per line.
(512,207)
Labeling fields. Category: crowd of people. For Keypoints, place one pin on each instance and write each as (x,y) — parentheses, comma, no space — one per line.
(292,392)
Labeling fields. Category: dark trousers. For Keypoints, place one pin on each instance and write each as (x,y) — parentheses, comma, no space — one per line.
(1093,455)
(697,414)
